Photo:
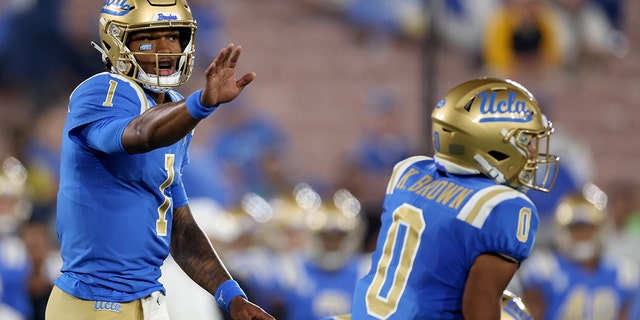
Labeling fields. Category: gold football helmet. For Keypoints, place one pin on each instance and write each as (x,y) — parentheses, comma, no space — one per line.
(580,210)
(513,308)
(495,127)
(337,230)
(14,205)
(119,19)
(281,218)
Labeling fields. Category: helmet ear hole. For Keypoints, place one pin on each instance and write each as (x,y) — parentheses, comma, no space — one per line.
(468,105)
(185,37)
(499,156)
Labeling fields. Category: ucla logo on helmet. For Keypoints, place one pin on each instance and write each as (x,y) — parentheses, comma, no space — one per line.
(511,110)
(116,7)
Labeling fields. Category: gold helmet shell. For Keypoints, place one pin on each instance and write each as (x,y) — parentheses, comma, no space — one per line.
(490,126)
(119,19)
(14,205)
(13,178)
(336,230)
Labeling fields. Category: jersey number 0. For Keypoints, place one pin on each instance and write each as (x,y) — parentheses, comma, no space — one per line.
(398,255)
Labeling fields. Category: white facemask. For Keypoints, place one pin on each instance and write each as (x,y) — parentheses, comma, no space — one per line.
(584,250)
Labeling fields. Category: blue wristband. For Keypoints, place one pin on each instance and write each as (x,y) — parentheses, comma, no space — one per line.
(226,292)
(195,107)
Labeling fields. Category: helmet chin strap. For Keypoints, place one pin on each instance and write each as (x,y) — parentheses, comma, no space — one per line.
(103,54)
(155,89)
(492,172)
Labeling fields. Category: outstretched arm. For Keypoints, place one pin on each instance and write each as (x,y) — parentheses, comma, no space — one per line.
(193,252)
(167,123)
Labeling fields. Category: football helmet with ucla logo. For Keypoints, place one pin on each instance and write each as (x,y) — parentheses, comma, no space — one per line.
(336,230)
(120,19)
(494,127)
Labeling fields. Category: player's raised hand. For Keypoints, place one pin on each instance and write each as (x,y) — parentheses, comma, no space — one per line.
(221,84)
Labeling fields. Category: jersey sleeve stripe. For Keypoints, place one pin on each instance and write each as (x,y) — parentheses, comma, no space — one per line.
(144,104)
(477,209)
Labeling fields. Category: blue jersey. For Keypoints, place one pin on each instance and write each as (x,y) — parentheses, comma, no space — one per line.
(571,292)
(115,209)
(634,308)
(15,270)
(315,293)
(434,226)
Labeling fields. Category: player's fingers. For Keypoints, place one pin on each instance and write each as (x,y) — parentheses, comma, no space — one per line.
(223,55)
(258,314)
(227,54)
(264,317)
(233,60)
(245,80)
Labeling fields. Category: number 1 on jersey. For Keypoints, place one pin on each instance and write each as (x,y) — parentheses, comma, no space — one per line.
(161,223)
(108,101)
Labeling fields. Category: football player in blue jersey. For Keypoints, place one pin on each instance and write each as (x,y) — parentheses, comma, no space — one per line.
(122,207)
(321,280)
(15,265)
(456,227)
(577,278)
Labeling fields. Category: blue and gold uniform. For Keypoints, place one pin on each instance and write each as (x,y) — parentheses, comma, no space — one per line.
(434,226)
(129,229)
(577,278)
(570,291)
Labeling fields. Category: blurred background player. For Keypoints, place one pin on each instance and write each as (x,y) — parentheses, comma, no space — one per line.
(578,279)
(15,265)
(623,207)
(322,278)
(268,232)
(456,227)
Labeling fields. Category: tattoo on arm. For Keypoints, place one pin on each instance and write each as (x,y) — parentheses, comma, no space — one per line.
(193,252)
